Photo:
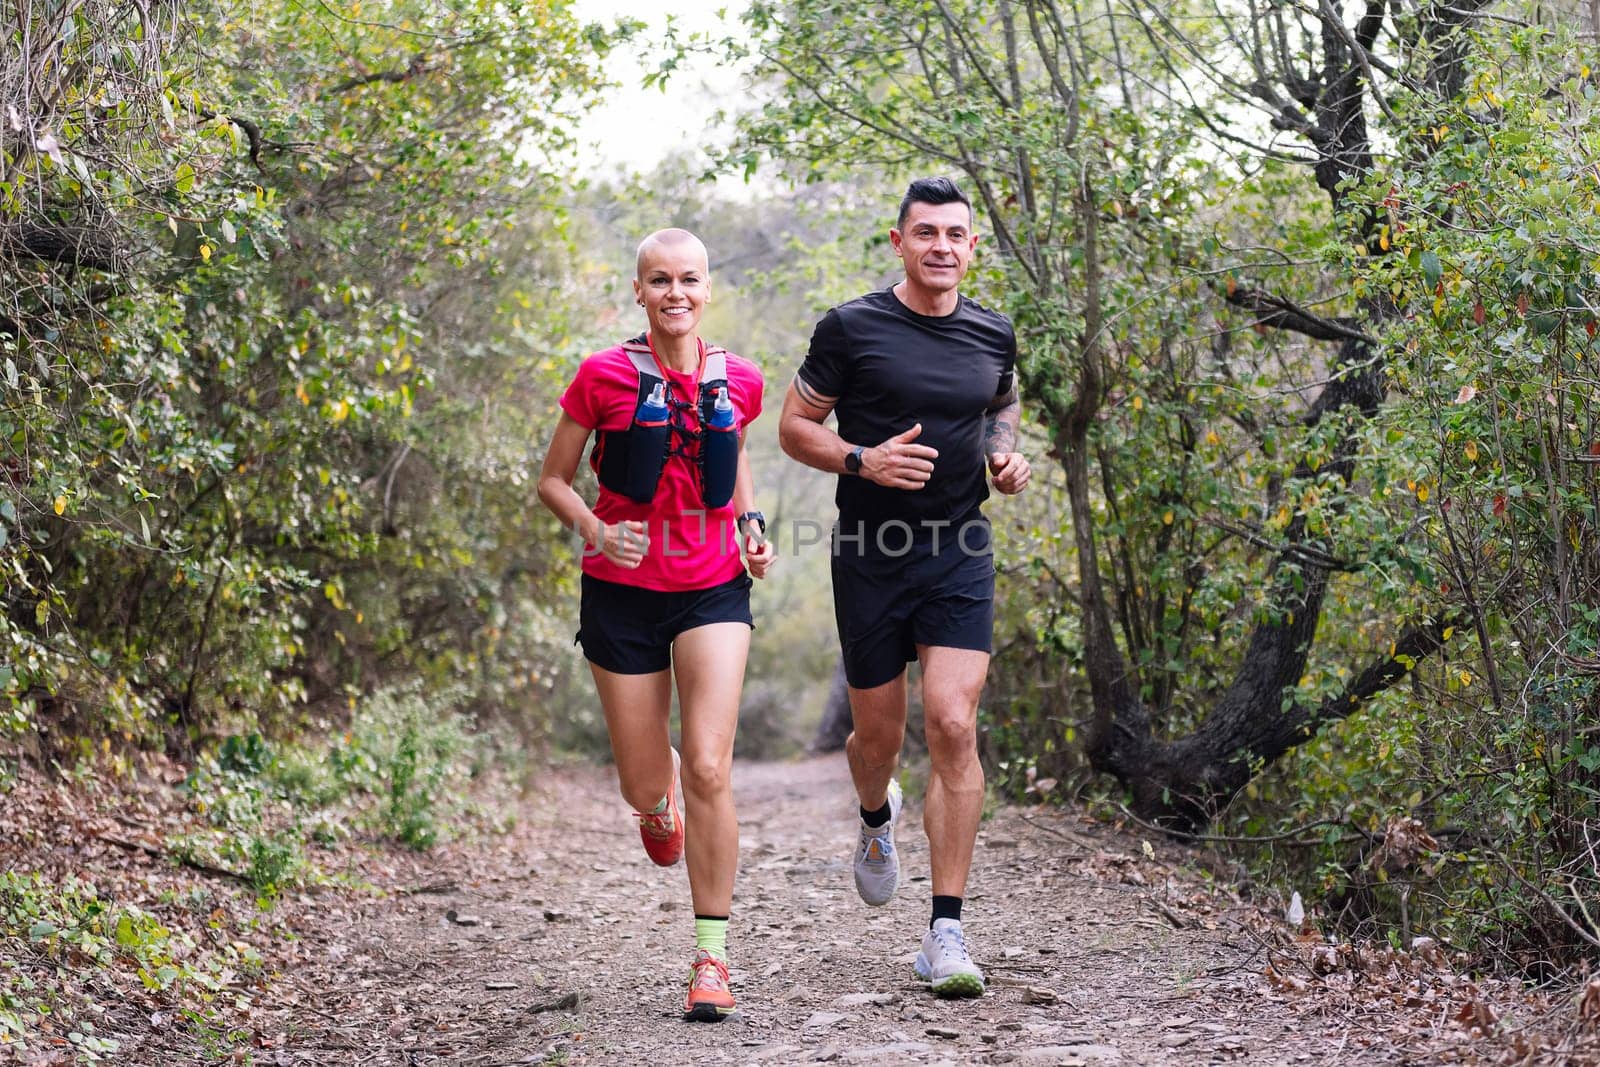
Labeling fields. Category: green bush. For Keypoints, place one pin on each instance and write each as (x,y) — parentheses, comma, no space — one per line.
(412,757)
(46,926)
(398,773)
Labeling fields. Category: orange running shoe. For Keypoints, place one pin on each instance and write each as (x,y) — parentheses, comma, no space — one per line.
(710,1000)
(662,832)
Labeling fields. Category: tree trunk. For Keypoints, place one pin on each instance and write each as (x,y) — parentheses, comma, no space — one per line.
(836,721)
(1182,783)
(1322,98)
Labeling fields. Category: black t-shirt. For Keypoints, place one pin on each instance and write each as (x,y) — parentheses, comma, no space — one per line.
(892,368)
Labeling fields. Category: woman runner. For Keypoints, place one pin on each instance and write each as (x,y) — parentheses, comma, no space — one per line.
(665,594)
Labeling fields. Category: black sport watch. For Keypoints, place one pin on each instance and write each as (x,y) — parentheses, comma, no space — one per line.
(852,462)
(756,517)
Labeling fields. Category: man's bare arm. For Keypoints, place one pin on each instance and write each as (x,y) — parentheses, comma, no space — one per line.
(801,432)
(1009,469)
(898,463)
(1000,423)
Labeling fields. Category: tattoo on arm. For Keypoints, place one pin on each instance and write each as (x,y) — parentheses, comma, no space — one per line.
(811,396)
(1000,423)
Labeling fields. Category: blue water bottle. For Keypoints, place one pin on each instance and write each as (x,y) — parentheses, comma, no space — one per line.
(653,408)
(719,453)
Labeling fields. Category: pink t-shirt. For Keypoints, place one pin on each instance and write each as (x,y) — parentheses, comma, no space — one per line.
(691,547)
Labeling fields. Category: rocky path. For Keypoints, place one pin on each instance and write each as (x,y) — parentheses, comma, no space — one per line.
(572,948)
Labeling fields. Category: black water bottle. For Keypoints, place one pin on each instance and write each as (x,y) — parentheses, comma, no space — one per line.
(719,452)
(647,445)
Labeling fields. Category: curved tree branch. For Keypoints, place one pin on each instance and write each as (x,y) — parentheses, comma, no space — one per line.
(1284,314)
(1413,645)
(252,133)
(91,247)
(417,66)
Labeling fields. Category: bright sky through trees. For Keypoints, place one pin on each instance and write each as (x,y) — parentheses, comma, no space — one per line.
(636,126)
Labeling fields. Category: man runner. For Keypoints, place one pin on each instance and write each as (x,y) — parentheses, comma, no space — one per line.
(922,380)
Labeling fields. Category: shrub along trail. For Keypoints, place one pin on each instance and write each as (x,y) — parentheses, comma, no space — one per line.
(562,944)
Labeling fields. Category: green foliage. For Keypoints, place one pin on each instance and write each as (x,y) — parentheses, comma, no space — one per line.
(252,833)
(227,492)
(45,925)
(399,772)
(1466,243)
(413,757)
(1479,501)
(1493,234)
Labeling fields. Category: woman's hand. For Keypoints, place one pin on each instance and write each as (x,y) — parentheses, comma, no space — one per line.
(624,543)
(759,555)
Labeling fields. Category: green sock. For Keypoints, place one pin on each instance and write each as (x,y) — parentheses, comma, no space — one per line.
(711,934)
(659,808)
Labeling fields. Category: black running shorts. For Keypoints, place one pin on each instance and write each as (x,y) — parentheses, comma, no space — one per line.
(627,630)
(886,603)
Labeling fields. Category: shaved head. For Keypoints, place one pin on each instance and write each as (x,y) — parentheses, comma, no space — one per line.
(673,239)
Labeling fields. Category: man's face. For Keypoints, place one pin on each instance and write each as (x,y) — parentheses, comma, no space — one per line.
(936,245)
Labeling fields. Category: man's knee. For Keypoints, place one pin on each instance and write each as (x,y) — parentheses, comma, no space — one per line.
(951,734)
(878,739)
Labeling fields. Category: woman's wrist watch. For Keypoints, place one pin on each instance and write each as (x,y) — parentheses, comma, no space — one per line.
(756,517)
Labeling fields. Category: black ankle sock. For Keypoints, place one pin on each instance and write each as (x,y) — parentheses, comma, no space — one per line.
(875,819)
(945,908)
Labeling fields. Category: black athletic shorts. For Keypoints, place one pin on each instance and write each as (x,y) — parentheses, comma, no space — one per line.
(886,601)
(627,630)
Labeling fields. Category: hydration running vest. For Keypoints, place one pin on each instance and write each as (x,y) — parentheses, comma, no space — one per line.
(630,461)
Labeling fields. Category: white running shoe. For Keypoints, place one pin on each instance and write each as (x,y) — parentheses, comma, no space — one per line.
(944,963)
(877,864)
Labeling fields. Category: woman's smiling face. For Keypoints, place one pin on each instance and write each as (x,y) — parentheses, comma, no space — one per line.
(673,283)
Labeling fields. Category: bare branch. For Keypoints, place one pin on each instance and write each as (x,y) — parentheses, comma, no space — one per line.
(252,133)
(418,66)
(1293,551)
(1284,314)
(91,247)
(975,60)
(1360,45)
(1409,647)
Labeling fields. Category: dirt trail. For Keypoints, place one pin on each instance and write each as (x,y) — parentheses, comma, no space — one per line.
(574,950)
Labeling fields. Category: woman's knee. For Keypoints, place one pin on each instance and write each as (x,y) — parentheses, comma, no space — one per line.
(643,781)
(639,795)
(707,774)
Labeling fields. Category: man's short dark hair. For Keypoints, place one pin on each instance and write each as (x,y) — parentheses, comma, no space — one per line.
(931,191)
